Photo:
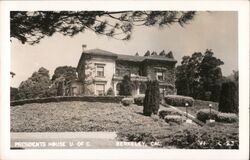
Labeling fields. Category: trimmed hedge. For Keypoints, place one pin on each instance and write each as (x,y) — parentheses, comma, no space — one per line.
(127,101)
(104,99)
(226,117)
(204,114)
(173,118)
(168,111)
(176,100)
(139,100)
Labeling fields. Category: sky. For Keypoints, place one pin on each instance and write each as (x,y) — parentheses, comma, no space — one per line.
(208,30)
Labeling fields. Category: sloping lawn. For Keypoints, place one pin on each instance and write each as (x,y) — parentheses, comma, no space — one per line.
(128,122)
(79,116)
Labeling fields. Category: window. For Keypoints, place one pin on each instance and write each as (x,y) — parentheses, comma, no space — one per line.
(99,71)
(100,89)
(159,75)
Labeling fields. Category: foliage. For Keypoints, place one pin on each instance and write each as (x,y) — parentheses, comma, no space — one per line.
(14,93)
(173,118)
(229,98)
(200,76)
(127,101)
(139,100)
(187,75)
(68,72)
(126,86)
(110,92)
(102,99)
(176,100)
(204,114)
(152,98)
(227,117)
(210,72)
(168,111)
(153,53)
(31,27)
(36,86)
(203,139)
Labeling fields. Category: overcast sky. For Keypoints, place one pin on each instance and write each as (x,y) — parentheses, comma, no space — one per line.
(208,30)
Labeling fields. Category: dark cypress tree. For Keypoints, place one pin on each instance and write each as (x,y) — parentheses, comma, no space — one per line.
(126,86)
(152,99)
(228,98)
(147,53)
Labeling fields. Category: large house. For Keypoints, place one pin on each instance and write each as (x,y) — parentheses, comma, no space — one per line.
(99,71)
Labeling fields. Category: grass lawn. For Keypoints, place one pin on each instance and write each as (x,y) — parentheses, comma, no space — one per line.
(128,122)
(79,116)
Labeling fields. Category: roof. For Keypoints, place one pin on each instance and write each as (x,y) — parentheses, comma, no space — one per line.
(100,52)
(130,58)
(122,57)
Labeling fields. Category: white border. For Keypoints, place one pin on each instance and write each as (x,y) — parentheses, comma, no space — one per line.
(111,154)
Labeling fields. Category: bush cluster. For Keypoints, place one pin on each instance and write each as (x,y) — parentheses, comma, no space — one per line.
(104,99)
(168,111)
(173,118)
(226,117)
(139,100)
(176,100)
(127,101)
(202,139)
(204,114)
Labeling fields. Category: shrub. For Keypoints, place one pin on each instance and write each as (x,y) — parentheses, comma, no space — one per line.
(127,101)
(203,139)
(226,117)
(110,92)
(126,86)
(139,100)
(168,111)
(204,114)
(173,118)
(228,98)
(151,101)
(176,100)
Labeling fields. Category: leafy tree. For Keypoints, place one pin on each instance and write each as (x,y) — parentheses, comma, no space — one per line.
(147,53)
(14,93)
(152,99)
(199,76)
(68,72)
(126,86)
(36,86)
(31,27)
(187,75)
(137,54)
(210,72)
(228,98)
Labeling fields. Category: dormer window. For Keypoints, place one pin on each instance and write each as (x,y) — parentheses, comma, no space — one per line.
(100,70)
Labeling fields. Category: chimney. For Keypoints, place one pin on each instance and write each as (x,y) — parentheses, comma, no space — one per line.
(84,46)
